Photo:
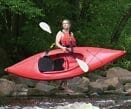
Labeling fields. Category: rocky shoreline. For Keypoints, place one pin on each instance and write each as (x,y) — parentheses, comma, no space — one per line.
(115,80)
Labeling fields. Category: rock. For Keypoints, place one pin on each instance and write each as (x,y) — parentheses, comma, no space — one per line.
(123,74)
(97,87)
(112,83)
(128,91)
(79,84)
(104,84)
(93,77)
(36,92)
(127,86)
(8,77)
(116,92)
(20,90)
(118,72)
(125,79)
(6,87)
(45,87)
(21,80)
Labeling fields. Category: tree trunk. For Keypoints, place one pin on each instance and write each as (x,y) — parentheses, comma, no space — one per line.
(74,9)
(120,26)
(7,19)
(11,23)
(15,25)
(84,9)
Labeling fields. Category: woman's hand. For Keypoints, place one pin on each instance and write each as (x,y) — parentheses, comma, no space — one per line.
(65,49)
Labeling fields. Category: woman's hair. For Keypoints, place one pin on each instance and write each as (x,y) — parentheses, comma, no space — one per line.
(66,20)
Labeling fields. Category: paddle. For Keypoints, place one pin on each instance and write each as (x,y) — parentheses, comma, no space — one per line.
(80,62)
(45,63)
(44,26)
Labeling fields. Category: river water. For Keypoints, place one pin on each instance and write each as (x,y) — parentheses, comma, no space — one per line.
(104,102)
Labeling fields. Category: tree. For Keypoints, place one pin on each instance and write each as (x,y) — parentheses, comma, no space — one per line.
(120,25)
(13,13)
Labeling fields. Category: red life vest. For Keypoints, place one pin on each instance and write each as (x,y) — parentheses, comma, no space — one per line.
(68,40)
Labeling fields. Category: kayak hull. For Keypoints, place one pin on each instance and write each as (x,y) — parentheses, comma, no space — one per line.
(94,57)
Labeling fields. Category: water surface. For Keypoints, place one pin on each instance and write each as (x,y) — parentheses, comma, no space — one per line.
(104,102)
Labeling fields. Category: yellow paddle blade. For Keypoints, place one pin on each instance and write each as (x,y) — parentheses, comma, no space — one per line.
(52,45)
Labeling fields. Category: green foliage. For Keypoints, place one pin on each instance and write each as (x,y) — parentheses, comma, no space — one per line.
(34,39)
(21,7)
(126,37)
(125,63)
(93,22)
(56,11)
(104,16)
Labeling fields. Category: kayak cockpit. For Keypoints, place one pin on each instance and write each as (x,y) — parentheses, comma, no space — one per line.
(60,62)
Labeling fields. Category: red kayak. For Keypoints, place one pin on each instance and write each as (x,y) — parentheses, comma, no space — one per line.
(65,63)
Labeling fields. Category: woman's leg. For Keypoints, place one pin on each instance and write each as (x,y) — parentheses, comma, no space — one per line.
(64,86)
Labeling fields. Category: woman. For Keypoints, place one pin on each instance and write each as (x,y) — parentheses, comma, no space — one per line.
(65,40)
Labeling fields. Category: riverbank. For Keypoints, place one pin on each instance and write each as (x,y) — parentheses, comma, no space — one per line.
(112,81)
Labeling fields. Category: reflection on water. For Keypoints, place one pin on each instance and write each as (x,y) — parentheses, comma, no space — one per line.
(65,103)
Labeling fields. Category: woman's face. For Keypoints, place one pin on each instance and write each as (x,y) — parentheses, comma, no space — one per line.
(66,24)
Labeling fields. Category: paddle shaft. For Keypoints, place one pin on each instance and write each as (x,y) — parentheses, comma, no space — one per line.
(80,62)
